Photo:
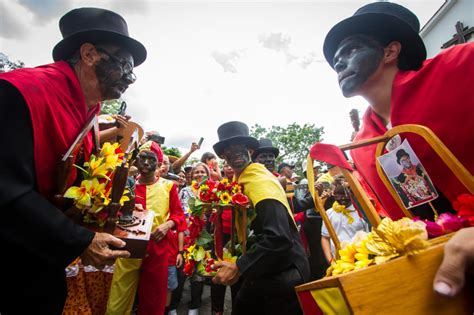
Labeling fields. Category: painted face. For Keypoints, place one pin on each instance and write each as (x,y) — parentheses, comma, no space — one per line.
(267,159)
(356,59)
(114,73)
(237,156)
(198,173)
(287,172)
(341,195)
(405,161)
(147,162)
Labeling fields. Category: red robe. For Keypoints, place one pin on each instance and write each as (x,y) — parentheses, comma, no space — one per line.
(438,96)
(58,111)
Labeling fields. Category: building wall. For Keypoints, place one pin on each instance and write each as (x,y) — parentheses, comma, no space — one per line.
(441,27)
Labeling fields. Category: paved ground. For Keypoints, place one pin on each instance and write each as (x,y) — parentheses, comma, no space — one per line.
(206,301)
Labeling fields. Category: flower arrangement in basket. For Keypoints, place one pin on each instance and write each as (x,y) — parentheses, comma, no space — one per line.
(94,193)
(391,239)
(211,197)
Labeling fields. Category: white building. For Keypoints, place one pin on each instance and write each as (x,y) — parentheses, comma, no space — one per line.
(442,26)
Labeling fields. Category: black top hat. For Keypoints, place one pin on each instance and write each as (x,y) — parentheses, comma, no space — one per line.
(96,26)
(266,145)
(234,132)
(387,22)
(401,153)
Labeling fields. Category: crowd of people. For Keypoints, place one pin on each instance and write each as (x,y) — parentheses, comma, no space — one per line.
(48,106)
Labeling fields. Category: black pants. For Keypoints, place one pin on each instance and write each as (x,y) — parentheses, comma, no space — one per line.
(272,294)
(218,295)
(178,292)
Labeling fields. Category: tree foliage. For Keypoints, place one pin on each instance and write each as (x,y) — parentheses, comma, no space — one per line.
(110,107)
(293,141)
(171,151)
(7,65)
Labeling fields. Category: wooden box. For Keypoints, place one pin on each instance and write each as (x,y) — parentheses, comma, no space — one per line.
(401,286)
(136,237)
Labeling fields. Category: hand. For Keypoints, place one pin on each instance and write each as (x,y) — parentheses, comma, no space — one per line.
(161,231)
(122,121)
(139,207)
(99,254)
(458,259)
(228,273)
(179,261)
(319,187)
(194,147)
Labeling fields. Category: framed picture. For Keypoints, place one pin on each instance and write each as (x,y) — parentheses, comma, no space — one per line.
(408,176)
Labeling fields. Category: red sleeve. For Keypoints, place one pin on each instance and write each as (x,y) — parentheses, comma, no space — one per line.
(176,212)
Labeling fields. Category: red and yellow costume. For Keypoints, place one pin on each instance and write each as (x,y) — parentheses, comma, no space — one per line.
(149,275)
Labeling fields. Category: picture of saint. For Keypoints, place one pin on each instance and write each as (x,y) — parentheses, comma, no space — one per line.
(408,177)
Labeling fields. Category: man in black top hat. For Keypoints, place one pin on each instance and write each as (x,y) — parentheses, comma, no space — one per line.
(379,55)
(266,154)
(276,263)
(48,107)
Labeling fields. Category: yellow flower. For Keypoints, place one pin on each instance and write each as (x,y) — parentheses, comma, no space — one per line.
(395,238)
(204,187)
(225,181)
(236,189)
(225,198)
(83,195)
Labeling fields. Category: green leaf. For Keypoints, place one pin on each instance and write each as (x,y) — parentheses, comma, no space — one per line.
(200,254)
(204,238)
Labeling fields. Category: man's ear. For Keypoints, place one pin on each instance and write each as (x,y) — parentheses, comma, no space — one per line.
(392,52)
(89,54)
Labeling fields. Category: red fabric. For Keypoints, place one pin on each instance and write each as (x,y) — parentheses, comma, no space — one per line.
(438,96)
(226,220)
(308,304)
(58,114)
(330,154)
(152,287)
(173,243)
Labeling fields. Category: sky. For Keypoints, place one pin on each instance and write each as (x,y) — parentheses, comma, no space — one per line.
(212,62)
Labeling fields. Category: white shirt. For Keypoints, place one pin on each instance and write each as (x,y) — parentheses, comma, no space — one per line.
(344,231)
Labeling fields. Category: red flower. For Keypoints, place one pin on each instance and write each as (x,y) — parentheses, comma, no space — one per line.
(204,197)
(464,205)
(196,224)
(240,199)
(189,267)
(221,187)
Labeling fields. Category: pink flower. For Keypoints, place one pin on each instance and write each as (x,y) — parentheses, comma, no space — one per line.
(450,222)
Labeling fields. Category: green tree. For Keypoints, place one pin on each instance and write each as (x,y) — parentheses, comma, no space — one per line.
(171,151)
(111,107)
(293,141)
(7,65)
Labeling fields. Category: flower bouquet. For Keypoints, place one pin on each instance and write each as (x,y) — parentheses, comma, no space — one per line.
(202,248)
(101,195)
(391,269)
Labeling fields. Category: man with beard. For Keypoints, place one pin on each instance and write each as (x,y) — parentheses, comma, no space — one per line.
(379,55)
(276,263)
(47,107)
(150,274)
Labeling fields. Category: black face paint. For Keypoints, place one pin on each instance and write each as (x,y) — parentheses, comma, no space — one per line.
(113,78)
(267,159)
(147,162)
(356,59)
(237,156)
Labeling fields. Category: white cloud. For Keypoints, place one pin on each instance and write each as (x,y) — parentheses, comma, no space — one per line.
(227,60)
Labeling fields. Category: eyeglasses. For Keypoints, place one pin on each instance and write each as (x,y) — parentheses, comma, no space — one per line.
(126,66)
